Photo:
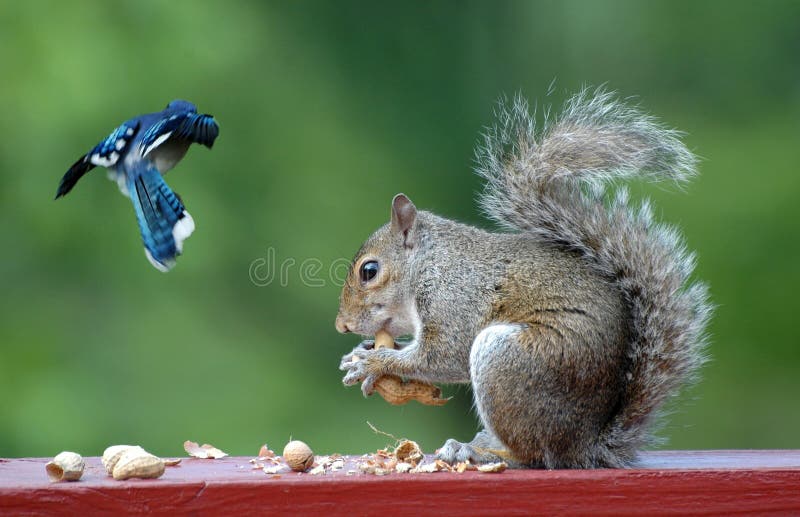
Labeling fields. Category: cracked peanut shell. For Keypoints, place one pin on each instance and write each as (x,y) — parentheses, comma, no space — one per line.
(66,466)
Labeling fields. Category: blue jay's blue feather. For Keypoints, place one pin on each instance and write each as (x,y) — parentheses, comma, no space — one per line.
(104,154)
(137,154)
(107,152)
(163,221)
(190,126)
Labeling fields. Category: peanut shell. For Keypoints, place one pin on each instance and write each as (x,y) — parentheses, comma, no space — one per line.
(112,455)
(138,463)
(397,392)
(66,466)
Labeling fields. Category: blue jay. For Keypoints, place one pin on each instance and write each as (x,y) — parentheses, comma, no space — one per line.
(136,155)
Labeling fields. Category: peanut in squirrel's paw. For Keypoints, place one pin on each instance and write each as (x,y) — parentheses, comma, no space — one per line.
(395,391)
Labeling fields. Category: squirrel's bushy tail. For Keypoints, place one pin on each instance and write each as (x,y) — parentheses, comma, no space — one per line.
(551,183)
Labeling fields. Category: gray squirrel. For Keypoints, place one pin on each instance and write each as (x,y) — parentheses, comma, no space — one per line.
(576,325)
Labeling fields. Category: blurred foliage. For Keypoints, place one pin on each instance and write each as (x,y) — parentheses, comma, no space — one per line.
(327,110)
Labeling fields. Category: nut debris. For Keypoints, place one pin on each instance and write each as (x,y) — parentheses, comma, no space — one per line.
(493,467)
(273,469)
(66,466)
(266,452)
(408,452)
(204,451)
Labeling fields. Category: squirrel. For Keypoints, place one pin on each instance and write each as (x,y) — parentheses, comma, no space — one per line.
(573,326)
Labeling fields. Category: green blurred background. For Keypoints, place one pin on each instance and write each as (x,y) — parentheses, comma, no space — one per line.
(327,110)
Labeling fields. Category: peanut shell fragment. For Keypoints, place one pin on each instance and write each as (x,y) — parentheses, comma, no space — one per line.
(409,452)
(66,466)
(204,451)
(493,467)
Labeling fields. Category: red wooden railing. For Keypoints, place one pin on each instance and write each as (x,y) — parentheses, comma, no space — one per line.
(683,482)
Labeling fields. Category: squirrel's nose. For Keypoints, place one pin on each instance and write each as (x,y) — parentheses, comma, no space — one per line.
(341,326)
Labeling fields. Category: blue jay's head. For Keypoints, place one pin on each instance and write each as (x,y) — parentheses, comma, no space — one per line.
(181,105)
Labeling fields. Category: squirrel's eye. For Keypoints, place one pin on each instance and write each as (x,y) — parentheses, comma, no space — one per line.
(369,270)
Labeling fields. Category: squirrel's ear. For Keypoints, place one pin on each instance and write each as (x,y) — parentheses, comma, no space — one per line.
(404,213)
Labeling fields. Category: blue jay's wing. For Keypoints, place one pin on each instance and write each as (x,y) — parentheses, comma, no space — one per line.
(104,154)
(163,221)
(194,127)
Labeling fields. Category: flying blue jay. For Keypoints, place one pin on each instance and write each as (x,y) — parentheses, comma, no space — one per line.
(136,155)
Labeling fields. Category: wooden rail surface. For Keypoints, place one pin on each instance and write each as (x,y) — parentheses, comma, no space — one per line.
(665,482)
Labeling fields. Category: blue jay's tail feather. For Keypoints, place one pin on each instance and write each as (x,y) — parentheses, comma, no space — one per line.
(163,220)
(202,129)
(78,169)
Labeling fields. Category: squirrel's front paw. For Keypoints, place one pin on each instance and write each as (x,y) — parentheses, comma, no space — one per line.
(358,353)
(358,373)
(362,365)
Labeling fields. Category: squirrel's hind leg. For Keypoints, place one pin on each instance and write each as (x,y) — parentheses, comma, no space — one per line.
(484,448)
(530,396)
